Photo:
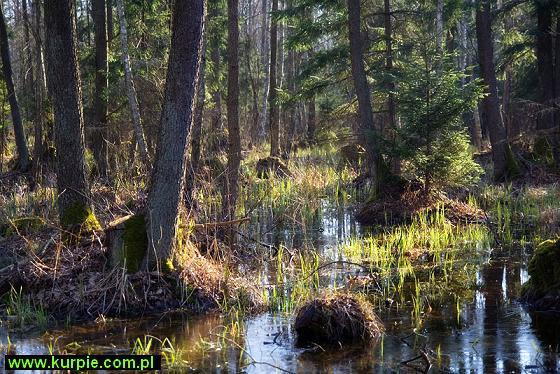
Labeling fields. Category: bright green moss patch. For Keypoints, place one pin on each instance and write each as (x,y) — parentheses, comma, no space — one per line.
(135,243)
(80,216)
(544,269)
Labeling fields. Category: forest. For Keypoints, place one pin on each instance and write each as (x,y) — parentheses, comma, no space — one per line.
(289,186)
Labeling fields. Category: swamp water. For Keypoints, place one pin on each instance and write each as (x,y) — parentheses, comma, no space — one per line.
(479,329)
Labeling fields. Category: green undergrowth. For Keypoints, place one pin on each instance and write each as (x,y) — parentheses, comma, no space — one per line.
(417,266)
(524,215)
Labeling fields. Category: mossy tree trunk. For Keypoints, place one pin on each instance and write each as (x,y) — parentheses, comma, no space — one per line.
(168,176)
(65,88)
(19,132)
(505,164)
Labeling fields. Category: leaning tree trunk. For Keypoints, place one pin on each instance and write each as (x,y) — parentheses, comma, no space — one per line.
(168,176)
(21,143)
(273,120)
(505,165)
(99,133)
(230,191)
(130,90)
(367,126)
(65,89)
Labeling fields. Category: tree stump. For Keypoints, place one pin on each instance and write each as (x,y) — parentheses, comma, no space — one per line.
(127,241)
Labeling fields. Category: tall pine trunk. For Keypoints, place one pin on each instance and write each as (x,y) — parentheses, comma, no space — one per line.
(64,86)
(19,132)
(273,120)
(230,191)
(168,175)
(99,133)
(505,165)
(367,131)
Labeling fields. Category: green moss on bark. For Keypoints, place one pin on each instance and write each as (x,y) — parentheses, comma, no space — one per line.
(80,216)
(544,269)
(512,166)
(135,242)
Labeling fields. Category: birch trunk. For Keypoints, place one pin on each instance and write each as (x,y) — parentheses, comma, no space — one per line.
(130,90)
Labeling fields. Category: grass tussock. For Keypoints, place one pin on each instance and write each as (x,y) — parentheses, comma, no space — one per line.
(335,320)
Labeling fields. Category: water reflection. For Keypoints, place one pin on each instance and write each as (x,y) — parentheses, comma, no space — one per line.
(486,332)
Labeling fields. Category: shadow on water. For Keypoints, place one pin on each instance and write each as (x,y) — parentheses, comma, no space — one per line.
(486,332)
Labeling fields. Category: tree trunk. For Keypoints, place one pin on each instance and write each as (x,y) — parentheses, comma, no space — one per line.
(291,110)
(198,116)
(216,120)
(367,131)
(273,121)
(110,24)
(130,90)
(439,26)
(265,53)
(168,176)
(311,121)
(65,88)
(19,132)
(99,133)
(556,139)
(229,196)
(544,52)
(29,81)
(505,165)
(391,107)
(254,130)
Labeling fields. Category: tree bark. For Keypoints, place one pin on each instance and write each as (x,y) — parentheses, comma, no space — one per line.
(19,132)
(545,66)
(230,191)
(265,53)
(196,134)
(110,23)
(311,121)
(439,26)
(505,165)
(556,139)
(367,131)
(291,110)
(99,133)
(65,89)
(130,90)
(168,176)
(273,121)
(216,120)
(391,107)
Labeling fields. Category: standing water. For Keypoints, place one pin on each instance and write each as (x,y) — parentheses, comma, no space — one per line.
(475,326)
